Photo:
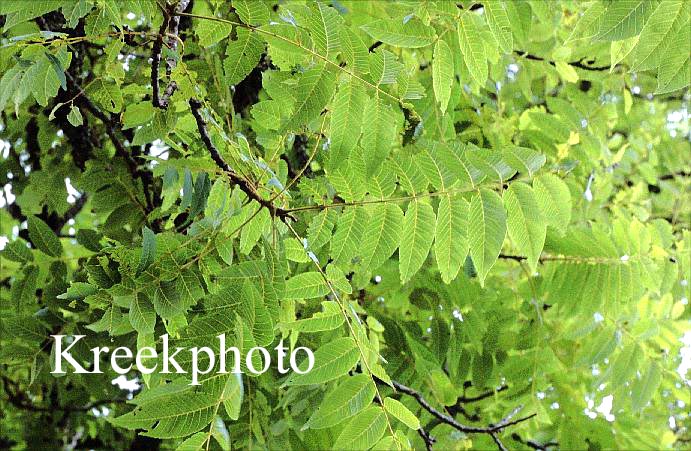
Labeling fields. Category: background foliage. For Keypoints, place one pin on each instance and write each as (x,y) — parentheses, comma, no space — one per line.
(476,212)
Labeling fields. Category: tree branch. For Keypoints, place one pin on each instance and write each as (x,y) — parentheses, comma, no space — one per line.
(169,32)
(579,64)
(518,258)
(20,400)
(500,445)
(458,407)
(480,397)
(533,444)
(111,123)
(236,179)
(674,175)
(427,438)
(491,429)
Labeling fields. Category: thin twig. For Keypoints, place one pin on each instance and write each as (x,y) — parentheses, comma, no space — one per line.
(500,445)
(20,400)
(579,64)
(241,182)
(169,32)
(480,397)
(427,438)
(492,428)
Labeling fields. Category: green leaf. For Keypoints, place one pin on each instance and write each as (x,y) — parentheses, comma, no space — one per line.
(176,415)
(211,32)
(242,55)
(29,328)
(527,227)
(354,52)
(328,319)
(43,237)
(78,290)
(624,18)
(486,230)
(472,48)
(9,84)
(59,70)
(73,11)
(551,126)
(378,134)
(232,395)
(554,200)
(401,412)
(21,11)
(442,74)
(24,290)
(383,235)
(306,285)
(416,238)
(42,76)
(137,114)
(344,401)
(17,251)
(498,21)
(313,92)
(384,67)
(75,116)
(337,279)
(524,160)
(346,242)
(410,176)
(645,386)
(674,71)
(411,34)
(251,12)
(193,443)
(99,21)
(431,163)
(167,300)
(566,72)
(148,254)
(589,23)
(450,236)
(332,360)
(618,51)
(107,94)
(667,21)
(363,431)
(346,121)
(320,229)
(90,239)
(324,23)
(142,315)
(452,160)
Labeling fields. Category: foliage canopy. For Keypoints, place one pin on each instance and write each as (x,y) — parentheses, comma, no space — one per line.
(475,212)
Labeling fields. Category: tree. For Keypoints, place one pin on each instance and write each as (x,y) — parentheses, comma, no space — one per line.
(476,214)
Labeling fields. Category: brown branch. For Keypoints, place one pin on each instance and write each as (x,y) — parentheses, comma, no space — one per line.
(579,64)
(490,429)
(498,442)
(111,125)
(236,179)
(458,407)
(533,444)
(427,438)
(20,400)
(168,32)
(72,211)
(674,175)
(518,258)
(480,397)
